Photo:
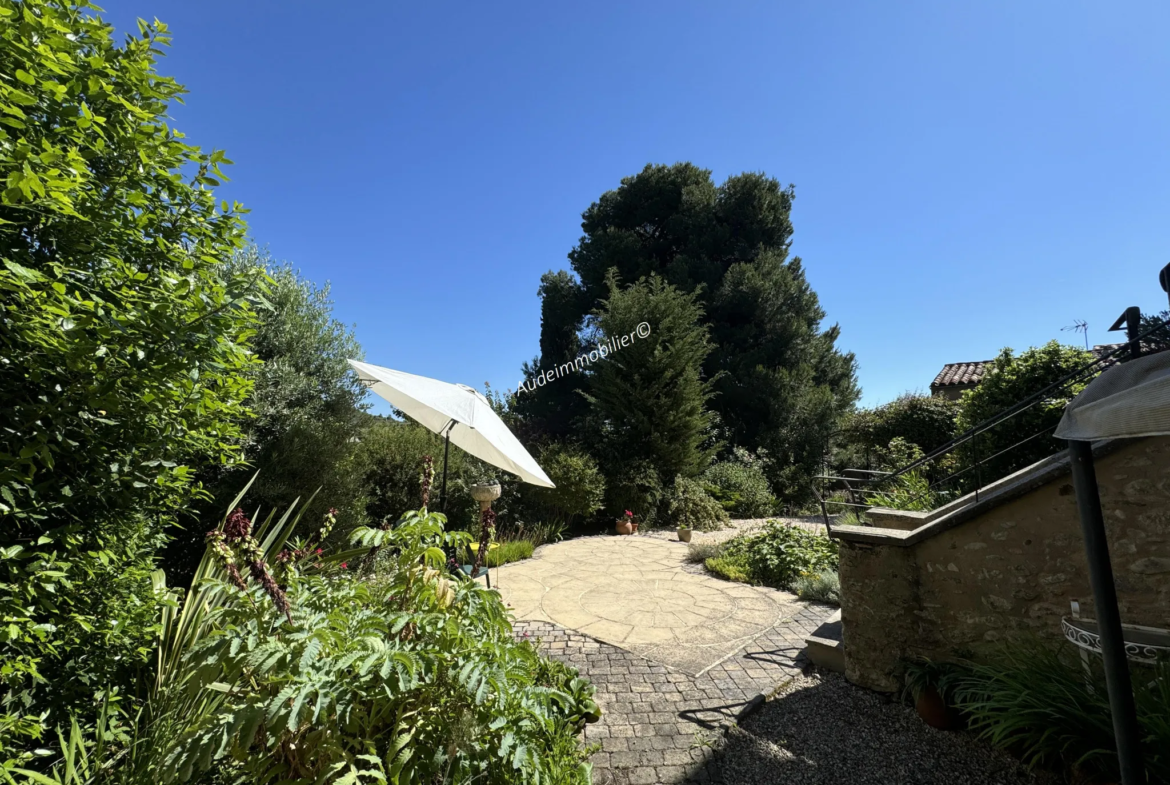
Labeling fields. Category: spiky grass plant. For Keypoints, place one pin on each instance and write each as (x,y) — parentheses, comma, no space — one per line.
(1038,702)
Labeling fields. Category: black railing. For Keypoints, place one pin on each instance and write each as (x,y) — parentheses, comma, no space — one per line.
(984,453)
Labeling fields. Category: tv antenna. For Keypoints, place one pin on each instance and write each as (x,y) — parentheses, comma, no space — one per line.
(1078,326)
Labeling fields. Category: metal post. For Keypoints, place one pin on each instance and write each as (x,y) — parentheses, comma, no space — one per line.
(1133,329)
(446,452)
(1121,704)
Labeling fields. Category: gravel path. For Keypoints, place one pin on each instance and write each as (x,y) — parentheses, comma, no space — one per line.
(821,730)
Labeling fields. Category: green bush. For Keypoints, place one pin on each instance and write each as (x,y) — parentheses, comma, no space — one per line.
(775,556)
(124,341)
(822,586)
(406,673)
(1010,379)
(510,551)
(389,459)
(579,491)
(691,508)
(1036,702)
(741,486)
(910,490)
(699,552)
(733,567)
(927,421)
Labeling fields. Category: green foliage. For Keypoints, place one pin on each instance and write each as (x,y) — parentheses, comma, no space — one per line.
(910,490)
(775,556)
(1009,380)
(740,485)
(124,341)
(732,567)
(699,552)
(1037,702)
(649,398)
(821,586)
(926,421)
(407,675)
(781,382)
(510,551)
(579,491)
(306,401)
(691,508)
(1158,325)
(389,458)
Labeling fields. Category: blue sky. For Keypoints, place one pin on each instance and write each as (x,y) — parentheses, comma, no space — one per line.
(968,175)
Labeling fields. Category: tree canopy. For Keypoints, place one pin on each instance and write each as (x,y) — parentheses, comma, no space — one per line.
(778,380)
(124,346)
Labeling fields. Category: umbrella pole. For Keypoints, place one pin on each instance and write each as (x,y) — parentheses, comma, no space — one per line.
(446,452)
(1121,705)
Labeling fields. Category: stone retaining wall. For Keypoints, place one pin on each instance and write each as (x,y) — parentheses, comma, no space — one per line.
(961,583)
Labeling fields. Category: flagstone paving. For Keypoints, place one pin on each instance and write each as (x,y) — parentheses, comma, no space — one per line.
(677,655)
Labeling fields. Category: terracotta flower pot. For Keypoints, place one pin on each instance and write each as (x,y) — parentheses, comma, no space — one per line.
(684,535)
(623,526)
(935,712)
(635,528)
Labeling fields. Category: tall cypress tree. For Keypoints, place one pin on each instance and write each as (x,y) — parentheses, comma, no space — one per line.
(649,420)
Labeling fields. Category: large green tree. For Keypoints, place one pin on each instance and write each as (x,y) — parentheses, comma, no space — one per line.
(649,420)
(123,349)
(781,383)
(305,410)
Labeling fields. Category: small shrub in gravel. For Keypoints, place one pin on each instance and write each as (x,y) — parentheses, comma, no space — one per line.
(775,556)
(822,586)
(729,568)
(692,508)
(699,552)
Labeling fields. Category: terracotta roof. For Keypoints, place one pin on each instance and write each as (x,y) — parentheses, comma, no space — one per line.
(972,372)
(960,373)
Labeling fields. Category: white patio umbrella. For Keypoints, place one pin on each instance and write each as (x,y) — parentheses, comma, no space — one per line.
(457,412)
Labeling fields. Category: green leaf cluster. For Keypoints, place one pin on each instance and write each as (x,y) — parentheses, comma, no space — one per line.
(404,673)
(1010,379)
(775,556)
(690,507)
(123,348)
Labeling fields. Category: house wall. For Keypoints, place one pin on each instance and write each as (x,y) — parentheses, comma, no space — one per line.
(1010,570)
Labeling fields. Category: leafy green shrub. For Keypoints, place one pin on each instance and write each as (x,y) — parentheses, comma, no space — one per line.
(691,508)
(927,421)
(822,586)
(1037,702)
(389,457)
(775,556)
(1009,380)
(699,552)
(510,551)
(740,485)
(407,674)
(579,491)
(124,346)
(732,567)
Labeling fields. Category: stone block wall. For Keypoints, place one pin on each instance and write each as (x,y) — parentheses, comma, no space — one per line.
(959,587)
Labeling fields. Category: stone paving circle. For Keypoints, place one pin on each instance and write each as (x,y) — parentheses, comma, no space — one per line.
(677,656)
(631,592)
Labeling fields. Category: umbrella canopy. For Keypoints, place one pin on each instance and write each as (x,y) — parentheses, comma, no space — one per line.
(1129,399)
(457,411)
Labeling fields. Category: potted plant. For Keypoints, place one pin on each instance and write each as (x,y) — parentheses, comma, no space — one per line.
(928,683)
(684,533)
(625,524)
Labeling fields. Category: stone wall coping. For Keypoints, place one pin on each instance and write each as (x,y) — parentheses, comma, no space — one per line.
(966,507)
